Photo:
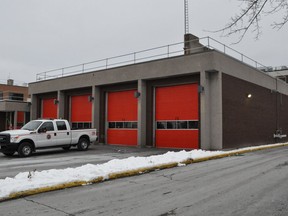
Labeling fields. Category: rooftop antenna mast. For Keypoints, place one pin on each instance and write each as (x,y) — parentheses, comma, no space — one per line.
(186,17)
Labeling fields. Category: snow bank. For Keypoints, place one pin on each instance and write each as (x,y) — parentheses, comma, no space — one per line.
(49,178)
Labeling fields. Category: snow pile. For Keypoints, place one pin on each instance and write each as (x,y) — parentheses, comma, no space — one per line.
(26,181)
(33,180)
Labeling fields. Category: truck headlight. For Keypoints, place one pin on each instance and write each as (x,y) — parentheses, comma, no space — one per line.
(14,139)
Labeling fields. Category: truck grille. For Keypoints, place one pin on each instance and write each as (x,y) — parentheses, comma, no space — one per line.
(4,138)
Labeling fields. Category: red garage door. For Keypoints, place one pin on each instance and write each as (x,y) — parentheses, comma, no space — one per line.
(122,118)
(81,111)
(49,108)
(176,115)
(20,119)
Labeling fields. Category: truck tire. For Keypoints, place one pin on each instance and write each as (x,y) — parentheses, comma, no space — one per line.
(25,149)
(83,144)
(9,154)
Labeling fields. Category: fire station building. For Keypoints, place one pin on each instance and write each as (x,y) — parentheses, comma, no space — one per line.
(201,99)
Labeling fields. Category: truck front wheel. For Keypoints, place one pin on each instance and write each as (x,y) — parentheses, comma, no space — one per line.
(25,149)
(83,144)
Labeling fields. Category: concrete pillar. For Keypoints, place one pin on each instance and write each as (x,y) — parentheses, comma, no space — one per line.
(204,112)
(61,104)
(96,108)
(24,118)
(33,107)
(141,113)
(211,110)
(15,119)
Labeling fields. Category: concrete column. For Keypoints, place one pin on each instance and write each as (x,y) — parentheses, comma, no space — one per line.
(33,107)
(61,104)
(24,118)
(141,113)
(211,110)
(15,119)
(96,108)
(10,126)
(204,112)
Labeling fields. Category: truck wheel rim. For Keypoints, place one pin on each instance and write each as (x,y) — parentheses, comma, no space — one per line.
(26,150)
(84,145)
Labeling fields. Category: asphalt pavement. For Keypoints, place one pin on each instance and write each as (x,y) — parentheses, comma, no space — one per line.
(249,184)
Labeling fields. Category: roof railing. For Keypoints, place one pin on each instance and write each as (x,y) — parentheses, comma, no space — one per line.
(161,52)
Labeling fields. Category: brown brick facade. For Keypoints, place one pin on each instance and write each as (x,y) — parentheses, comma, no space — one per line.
(6,89)
(251,121)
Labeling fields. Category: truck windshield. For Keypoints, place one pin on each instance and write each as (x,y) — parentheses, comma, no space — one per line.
(32,125)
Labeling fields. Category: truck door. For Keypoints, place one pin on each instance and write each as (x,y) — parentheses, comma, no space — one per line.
(46,135)
(63,133)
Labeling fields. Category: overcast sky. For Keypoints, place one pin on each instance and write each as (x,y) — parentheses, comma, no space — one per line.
(40,35)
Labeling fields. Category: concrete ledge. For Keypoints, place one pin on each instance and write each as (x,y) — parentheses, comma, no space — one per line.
(135,172)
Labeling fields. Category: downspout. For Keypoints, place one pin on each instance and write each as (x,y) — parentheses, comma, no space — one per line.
(277,112)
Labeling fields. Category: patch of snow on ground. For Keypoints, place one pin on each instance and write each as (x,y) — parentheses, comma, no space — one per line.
(88,172)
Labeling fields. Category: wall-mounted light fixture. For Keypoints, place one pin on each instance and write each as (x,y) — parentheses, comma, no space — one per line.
(137,94)
(200,89)
(90,98)
(56,101)
(249,95)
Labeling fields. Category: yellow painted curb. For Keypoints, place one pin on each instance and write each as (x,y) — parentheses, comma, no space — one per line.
(20,194)
(135,172)
(238,151)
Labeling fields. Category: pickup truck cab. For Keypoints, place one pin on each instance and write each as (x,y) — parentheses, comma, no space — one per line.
(44,133)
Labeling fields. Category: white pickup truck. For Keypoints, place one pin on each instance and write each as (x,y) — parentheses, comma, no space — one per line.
(43,133)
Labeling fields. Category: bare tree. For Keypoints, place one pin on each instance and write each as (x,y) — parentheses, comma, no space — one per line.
(250,17)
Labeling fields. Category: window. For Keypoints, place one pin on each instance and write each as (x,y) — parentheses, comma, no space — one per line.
(125,125)
(177,125)
(112,124)
(1,95)
(171,125)
(16,96)
(48,125)
(134,125)
(119,125)
(32,125)
(182,124)
(81,125)
(86,125)
(161,125)
(193,124)
(61,125)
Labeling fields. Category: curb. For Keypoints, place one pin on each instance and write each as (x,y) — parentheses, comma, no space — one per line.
(50,188)
(134,172)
